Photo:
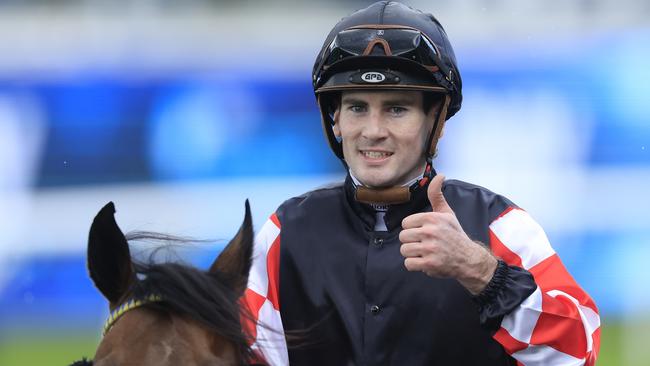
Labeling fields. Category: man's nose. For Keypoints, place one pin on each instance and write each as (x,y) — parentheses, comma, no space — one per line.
(374,127)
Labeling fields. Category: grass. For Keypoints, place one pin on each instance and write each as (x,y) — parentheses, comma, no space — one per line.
(622,343)
(610,345)
(46,349)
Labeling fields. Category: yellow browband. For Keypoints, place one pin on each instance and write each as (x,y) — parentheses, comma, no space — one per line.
(129,305)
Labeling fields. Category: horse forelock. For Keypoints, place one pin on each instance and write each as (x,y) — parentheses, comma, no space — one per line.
(206,298)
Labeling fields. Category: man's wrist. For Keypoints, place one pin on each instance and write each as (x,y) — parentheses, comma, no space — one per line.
(481,268)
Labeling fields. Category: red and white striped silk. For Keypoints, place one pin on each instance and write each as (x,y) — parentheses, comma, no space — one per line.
(558,324)
(262,297)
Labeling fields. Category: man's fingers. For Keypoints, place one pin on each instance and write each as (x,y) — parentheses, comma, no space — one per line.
(410,235)
(414,263)
(420,219)
(415,220)
(425,218)
(411,249)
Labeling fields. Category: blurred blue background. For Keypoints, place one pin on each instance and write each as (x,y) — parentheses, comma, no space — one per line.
(178,114)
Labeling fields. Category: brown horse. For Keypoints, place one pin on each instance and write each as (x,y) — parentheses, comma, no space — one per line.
(169,314)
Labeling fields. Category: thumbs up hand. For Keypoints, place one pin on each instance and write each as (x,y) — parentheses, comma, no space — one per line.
(435,243)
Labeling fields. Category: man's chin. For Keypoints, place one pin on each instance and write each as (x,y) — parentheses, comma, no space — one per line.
(376,182)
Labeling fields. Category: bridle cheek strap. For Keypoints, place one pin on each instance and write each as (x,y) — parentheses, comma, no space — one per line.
(125,307)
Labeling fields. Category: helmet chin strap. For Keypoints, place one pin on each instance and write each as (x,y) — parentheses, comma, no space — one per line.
(437,129)
(402,194)
(392,195)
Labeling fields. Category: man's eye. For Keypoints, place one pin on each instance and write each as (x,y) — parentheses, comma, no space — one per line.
(357,108)
(397,110)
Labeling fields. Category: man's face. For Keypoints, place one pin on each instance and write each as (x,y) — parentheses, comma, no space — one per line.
(384,135)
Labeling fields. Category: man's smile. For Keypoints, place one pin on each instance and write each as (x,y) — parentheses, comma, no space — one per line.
(375,155)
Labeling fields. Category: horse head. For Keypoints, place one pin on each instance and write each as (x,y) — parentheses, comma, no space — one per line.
(169,314)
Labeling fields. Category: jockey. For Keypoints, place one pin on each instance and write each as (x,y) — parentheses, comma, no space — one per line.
(398,265)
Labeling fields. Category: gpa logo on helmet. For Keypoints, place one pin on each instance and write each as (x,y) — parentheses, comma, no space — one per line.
(373,77)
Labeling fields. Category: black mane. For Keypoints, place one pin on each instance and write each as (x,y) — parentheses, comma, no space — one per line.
(204,297)
(82,362)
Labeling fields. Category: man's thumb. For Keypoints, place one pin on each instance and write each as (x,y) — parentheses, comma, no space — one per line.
(438,202)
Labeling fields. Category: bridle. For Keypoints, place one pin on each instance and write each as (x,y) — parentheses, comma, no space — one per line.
(126,307)
(116,314)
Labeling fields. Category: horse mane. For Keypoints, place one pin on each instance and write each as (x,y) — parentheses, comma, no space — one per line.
(82,362)
(208,298)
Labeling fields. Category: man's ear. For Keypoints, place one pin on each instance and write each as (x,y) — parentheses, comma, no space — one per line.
(336,127)
(109,258)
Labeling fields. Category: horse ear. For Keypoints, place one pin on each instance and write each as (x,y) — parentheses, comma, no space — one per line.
(109,258)
(236,257)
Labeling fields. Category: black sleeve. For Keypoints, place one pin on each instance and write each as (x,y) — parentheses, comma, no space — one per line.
(507,289)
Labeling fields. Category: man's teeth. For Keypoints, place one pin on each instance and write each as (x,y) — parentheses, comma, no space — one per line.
(376,154)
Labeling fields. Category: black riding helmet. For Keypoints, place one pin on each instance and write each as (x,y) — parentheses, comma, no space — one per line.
(390,46)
